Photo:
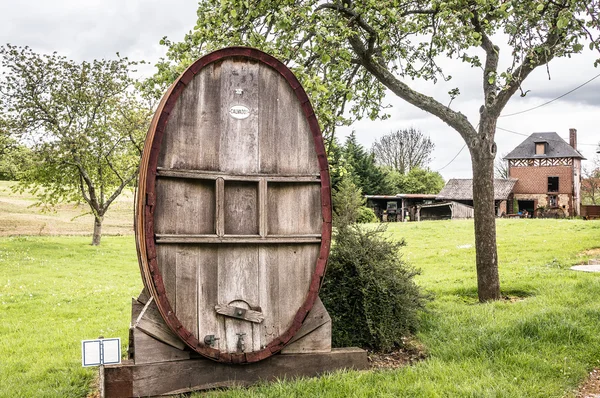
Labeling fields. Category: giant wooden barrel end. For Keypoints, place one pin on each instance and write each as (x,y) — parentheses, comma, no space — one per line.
(233,214)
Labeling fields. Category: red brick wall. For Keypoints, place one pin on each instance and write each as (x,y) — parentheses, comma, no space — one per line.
(534,179)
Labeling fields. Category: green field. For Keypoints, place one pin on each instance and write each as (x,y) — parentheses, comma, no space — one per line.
(542,342)
(19,216)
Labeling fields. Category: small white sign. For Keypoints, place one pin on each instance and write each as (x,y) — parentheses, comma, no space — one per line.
(239,112)
(100,352)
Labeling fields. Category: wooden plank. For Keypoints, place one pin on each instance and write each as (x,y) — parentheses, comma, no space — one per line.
(294,209)
(212,175)
(187,288)
(296,266)
(167,260)
(239,313)
(241,208)
(317,317)
(269,293)
(238,152)
(318,340)
(315,333)
(208,322)
(150,350)
(144,296)
(151,322)
(286,142)
(186,207)
(180,377)
(263,212)
(195,122)
(220,199)
(238,286)
(195,207)
(136,310)
(256,239)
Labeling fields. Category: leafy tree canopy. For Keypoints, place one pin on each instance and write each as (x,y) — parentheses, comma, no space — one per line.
(417,180)
(347,52)
(83,121)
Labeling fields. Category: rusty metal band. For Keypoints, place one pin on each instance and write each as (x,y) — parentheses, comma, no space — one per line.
(144,218)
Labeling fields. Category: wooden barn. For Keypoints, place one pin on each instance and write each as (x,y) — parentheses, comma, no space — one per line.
(444,211)
(400,207)
(461,191)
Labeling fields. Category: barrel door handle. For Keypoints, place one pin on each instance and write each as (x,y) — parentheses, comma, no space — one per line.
(240,313)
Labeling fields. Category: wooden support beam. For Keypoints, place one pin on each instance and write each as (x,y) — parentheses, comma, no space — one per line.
(151,322)
(169,238)
(179,377)
(208,175)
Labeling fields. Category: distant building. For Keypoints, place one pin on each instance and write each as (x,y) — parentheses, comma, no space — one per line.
(398,207)
(461,190)
(548,173)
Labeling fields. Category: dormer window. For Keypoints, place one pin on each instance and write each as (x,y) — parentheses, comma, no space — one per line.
(540,148)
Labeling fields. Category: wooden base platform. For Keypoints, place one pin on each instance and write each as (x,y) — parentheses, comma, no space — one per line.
(176,377)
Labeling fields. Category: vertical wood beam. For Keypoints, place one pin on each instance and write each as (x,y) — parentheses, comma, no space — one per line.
(262,207)
(220,197)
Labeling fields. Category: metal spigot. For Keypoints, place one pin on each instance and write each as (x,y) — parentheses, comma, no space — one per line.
(241,345)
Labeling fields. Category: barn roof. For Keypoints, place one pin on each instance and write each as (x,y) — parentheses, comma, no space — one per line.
(556,148)
(462,189)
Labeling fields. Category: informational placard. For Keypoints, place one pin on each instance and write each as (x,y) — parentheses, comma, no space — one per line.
(100,352)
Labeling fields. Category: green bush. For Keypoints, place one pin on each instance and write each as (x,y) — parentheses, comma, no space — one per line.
(369,291)
(366,215)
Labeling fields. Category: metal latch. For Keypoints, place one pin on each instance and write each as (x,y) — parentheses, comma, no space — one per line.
(210,339)
(250,315)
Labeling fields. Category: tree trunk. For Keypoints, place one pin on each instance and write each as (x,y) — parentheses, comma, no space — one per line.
(483,151)
(97,230)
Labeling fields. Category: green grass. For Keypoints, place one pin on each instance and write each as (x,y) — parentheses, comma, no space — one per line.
(56,291)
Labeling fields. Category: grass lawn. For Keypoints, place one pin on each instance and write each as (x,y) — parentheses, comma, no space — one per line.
(56,291)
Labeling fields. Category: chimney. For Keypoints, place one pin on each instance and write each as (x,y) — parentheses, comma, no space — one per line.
(573,138)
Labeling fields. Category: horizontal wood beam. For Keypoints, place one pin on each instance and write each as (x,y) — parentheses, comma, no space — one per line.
(168,238)
(210,175)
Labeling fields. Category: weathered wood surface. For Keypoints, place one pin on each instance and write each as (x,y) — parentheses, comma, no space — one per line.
(151,322)
(315,333)
(240,313)
(150,350)
(234,207)
(177,377)
(306,238)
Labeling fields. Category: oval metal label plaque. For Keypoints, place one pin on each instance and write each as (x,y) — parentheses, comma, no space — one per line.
(239,112)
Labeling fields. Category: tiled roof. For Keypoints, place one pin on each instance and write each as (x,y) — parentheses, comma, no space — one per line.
(462,189)
(557,148)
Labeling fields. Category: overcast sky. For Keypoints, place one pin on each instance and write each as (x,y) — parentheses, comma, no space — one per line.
(94,29)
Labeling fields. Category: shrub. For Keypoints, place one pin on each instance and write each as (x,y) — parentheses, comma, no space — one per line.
(369,291)
(366,215)
(347,200)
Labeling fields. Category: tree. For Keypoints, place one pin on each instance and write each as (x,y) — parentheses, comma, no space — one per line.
(347,200)
(403,150)
(84,121)
(590,184)
(347,53)
(361,166)
(418,180)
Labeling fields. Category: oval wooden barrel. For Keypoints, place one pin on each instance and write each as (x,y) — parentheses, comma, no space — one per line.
(233,216)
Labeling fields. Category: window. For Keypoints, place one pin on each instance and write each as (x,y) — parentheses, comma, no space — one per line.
(552,201)
(540,148)
(552,184)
